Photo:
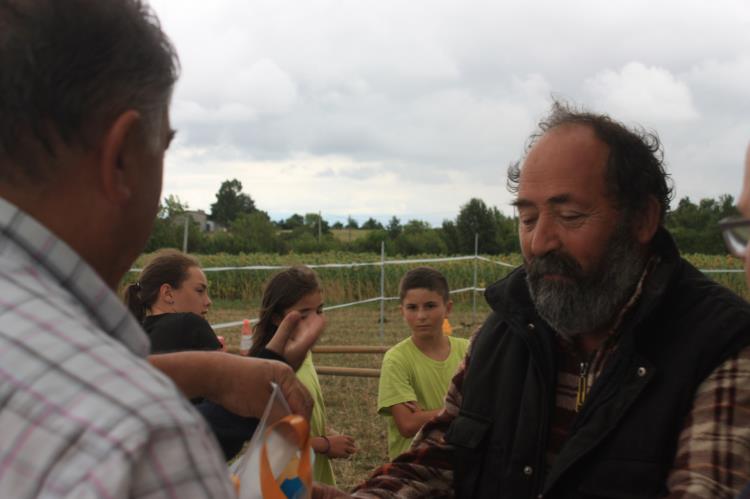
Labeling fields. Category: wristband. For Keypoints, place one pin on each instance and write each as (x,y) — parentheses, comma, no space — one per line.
(328,449)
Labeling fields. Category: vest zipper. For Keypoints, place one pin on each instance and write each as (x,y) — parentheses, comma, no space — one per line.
(583,385)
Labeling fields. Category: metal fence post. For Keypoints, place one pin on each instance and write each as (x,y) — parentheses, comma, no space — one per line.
(382,291)
(474,291)
(185,235)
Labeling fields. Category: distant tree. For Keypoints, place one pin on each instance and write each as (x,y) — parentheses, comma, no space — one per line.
(254,232)
(372,224)
(337,226)
(165,233)
(694,226)
(231,202)
(351,223)
(449,233)
(311,223)
(394,227)
(172,207)
(370,243)
(418,237)
(496,231)
(294,221)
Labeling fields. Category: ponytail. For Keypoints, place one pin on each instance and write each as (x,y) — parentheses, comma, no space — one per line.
(133,301)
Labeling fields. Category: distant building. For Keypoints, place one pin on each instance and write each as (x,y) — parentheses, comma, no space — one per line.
(201,218)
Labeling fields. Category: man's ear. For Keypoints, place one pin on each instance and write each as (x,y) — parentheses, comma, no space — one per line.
(647,222)
(448,307)
(114,159)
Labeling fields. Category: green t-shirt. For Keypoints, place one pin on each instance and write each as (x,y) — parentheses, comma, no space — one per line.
(408,374)
(322,470)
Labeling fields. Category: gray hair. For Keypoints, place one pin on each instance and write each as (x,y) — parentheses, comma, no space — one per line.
(68,68)
(635,167)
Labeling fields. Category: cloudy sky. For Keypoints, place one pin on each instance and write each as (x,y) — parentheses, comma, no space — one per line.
(410,108)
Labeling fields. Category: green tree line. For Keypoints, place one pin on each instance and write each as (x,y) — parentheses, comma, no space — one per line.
(243,228)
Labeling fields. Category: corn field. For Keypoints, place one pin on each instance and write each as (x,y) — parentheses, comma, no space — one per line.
(346,284)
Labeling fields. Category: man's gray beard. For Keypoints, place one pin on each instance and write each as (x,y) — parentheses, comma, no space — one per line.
(588,301)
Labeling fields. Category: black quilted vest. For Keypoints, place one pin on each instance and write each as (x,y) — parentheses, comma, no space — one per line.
(623,442)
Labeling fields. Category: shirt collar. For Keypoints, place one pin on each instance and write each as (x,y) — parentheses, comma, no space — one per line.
(23,237)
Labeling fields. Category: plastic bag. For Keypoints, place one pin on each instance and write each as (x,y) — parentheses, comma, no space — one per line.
(277,462)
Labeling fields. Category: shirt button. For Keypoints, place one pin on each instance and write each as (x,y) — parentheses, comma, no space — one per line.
(528,470)
(530,326)
(641,372)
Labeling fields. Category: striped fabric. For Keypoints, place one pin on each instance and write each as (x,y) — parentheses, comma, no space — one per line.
(82,414)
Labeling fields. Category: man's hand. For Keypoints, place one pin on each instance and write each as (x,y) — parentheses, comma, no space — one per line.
(295,336)
(239,384)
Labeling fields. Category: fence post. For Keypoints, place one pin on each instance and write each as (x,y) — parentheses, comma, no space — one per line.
(382,291)
(474,291)
(185,235)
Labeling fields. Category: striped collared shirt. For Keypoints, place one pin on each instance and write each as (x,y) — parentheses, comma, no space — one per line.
(82,413)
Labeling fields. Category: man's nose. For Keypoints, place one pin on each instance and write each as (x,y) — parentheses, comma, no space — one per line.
(545,237)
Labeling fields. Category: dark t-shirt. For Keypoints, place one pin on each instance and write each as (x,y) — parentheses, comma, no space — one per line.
(183,332)
(180,332)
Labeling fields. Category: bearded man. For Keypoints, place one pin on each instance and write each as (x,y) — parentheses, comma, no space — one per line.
(609,366)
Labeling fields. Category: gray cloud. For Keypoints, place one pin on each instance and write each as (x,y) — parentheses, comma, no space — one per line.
(424,93)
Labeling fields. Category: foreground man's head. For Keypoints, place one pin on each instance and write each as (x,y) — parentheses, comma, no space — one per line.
(85,91)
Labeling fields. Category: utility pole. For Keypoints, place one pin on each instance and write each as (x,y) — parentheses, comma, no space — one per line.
(320,226)
(185,234)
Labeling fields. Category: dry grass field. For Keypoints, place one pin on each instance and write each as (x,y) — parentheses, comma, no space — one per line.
(350,401)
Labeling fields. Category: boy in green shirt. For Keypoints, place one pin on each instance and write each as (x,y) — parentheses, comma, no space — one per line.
(416,372)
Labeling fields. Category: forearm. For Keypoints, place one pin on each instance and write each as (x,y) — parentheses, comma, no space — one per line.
(239,384)
(194,373)
(409,424)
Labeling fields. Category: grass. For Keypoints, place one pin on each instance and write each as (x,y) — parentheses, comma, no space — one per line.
(351,402)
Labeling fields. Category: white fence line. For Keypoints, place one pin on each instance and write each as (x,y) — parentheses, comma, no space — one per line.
(400,262)
(382,263)
(343,265)
(225,325)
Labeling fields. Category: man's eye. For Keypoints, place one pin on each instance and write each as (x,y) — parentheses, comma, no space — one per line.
(571,217)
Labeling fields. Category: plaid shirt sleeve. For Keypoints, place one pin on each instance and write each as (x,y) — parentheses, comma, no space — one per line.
(425,470)
(713,451)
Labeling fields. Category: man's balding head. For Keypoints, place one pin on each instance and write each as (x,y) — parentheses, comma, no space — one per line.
(634,174)
(70,67)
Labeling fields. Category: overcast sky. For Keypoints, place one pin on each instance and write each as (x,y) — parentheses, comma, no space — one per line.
(411,108)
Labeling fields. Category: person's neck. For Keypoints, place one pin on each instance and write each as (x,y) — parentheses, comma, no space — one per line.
(435,346)
(69,214)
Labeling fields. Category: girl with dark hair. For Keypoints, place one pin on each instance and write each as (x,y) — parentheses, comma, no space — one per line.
(298,289)
(171,300)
